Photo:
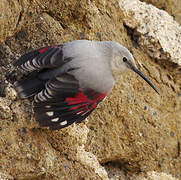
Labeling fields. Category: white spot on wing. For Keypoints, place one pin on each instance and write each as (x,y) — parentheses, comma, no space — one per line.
(55,119)
(104,98)
(41,96)
(47,95)
(80,112)
(48,106)
(63,123)
(84,113)
(27,66)
(35,99)
(50,113)
(35,63)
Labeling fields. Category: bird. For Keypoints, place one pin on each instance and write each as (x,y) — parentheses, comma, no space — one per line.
(69,80)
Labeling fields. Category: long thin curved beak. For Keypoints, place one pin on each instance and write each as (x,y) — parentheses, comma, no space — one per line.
(144,77)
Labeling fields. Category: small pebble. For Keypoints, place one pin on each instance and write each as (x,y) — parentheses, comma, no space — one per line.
(172,134)
(10,93)
(154,113)
(30,145)
(24,130)
(159,164)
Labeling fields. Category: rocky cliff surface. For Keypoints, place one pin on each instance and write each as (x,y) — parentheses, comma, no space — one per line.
(135,133)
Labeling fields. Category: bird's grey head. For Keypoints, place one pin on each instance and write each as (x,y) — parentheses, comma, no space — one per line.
(123,60)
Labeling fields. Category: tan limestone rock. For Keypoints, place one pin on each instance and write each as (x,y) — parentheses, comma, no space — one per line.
(154,30)
(171,6)
(10,15)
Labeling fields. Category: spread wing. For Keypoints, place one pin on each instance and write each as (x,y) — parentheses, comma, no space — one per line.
(63,102)
(59,100)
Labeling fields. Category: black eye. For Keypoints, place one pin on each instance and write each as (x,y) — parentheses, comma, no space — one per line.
(125,59)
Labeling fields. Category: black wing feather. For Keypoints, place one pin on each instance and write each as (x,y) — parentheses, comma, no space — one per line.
(71,120)
(48,57)
(40,63)
(25,57)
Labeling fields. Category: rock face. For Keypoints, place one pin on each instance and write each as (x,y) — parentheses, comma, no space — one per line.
(10,16)
(134,133)
(171,6)
(149,23)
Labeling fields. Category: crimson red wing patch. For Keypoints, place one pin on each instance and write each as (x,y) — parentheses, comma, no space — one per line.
(43,49)
(81,98)
(61,113)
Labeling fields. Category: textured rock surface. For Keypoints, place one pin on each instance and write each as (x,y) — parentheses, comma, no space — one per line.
(158,176)
(171,6)
(154,30)
(10,18)
(134,134)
